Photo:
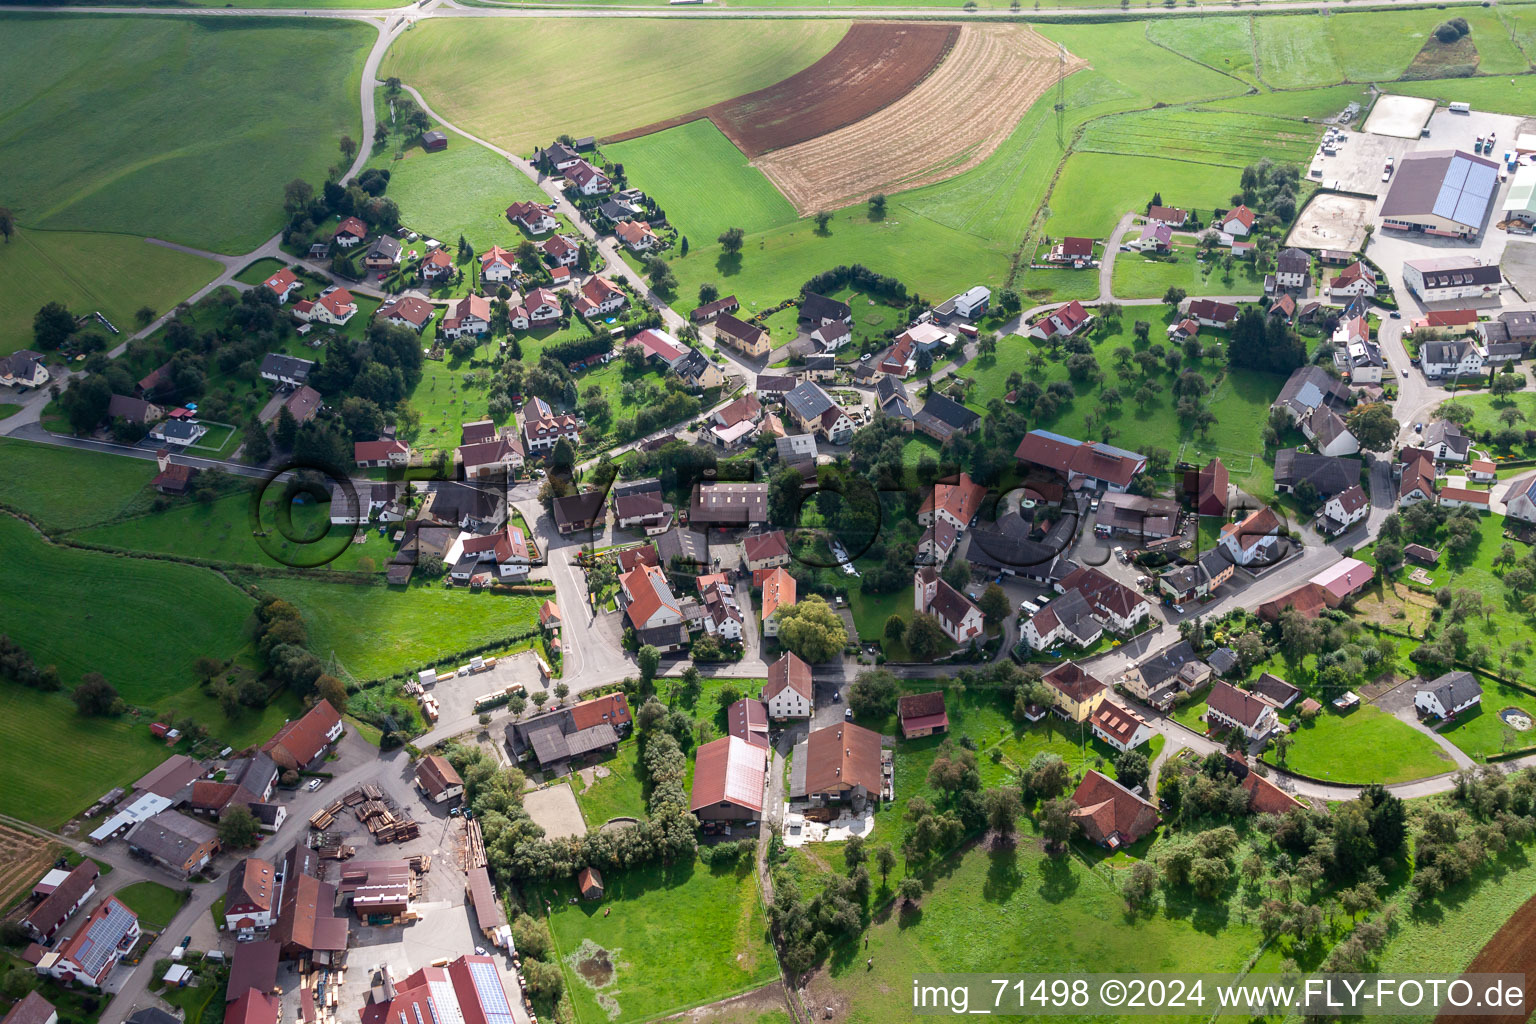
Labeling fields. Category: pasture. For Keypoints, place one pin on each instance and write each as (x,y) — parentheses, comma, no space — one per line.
(1225,44)
(1203,137)
(63,489)
(1097,189)
(676,936)
(90,271)
(114,606)
(702,181)
(1307,50)
(556,76)
(170,118)
(462,191)
(375,632)
(103,753)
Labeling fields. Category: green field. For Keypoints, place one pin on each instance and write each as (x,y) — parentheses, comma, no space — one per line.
(376,632)
(1331,748)
(155,904)
(559,76)
(462,191)
(103,753)
(1033,913)
(620,794)
(255,273)
(139,622)
(1306,50)
(183,128)
(1137,277)
(1225,44)
(90,271)
(702,180)
(64,489)
(1201,137)
(677,936)
(1498,95)
(1097,189)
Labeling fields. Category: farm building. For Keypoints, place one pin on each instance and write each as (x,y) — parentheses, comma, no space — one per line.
(1441,192)
(837,764)
(729,780)
(1109,814)
(434,141)
(922,714)
(1448,695)
(590,884)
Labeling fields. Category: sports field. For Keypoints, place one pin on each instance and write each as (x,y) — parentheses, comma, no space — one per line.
(182,128)
(683,168)
(90,271)
(562,76)
(141,623)
(377,632)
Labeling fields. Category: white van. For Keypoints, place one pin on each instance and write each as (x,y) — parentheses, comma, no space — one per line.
(1461,108)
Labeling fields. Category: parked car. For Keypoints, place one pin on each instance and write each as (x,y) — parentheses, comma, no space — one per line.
(1395,315)
(314,784)
(847,714)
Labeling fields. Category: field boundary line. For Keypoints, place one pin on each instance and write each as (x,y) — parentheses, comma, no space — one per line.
(1147,34)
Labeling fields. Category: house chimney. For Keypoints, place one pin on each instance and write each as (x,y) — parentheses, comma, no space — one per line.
(163,459)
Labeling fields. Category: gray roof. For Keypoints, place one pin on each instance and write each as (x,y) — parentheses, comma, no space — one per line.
(170,836)
(949,412)
(291,367)
(1449,433)
(1327,473)
(1166,664)
(819,307)
(1310,387)
(684,544)
(1293,261)
(1454,688)
(808,401)
(1456,272)
(1446,351)
(1521,323)
(796,447)
(1222,660)
(1443,183)
(386,245)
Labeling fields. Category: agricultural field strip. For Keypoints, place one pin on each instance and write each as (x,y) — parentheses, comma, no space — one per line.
(973,101)
(850,83)
(1233,140)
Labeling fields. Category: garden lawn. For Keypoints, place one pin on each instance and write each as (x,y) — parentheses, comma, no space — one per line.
(1479,731)
(462,191)
(1486,409)
(1137,277)
(375,632)
(154,903)
(172,117)
(89,272)
(103,753)
(1034,913)
(257,273)
(1363,746)
(139,622)
(62,488)
(702,180)
(621,793)
(1096,189)
(557,76)
(678,936)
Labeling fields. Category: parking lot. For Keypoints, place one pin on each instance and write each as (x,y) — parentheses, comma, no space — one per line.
(1358,162)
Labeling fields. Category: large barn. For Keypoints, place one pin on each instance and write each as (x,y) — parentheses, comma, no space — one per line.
(1441,192)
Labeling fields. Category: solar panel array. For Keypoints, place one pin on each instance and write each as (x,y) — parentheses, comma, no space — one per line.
(102,938)
(493,996)
(1466,190)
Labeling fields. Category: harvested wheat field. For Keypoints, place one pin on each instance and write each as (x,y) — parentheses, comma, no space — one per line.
(870,68)
(1512,950)
(24,858)
(948,124)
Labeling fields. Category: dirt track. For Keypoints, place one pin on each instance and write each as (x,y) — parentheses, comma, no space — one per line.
(1512,950)
(947,125)
(871,67)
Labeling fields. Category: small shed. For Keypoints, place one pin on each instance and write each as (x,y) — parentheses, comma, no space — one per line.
(590,882)
(433,141)
(179,975)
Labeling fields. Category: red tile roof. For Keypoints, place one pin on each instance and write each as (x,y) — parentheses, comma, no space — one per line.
(612,709)
(760,547)
(301,741)
(789,672)
(840,757)
(729,770)
(1120,723)
(1109,813)
(962,499)
(352,227)
(1073,681)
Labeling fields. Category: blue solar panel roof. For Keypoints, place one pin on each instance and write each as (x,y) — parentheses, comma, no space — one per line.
(1465,191)
(493,997)
(102,938)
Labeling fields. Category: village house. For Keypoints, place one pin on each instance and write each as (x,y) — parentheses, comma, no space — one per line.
(736,423)
(283,284)
(23,369)
(470,316)
(381,454)
(957,614)
(891,394)
(765,550)
(67,895)
(748,339)
(838,764)
(1169,215)
(1110,815)
(497,265)
(1293,269)
(599,296)
(1136,518)
(133,410)
(407,311)
(646,512)
(1453,495)
(648,600)
(1253,540)
(1076,693)
(1071,250)
(586,179)
(1237,221)
(778,592)
(250,897)
(285,371)
(543,429)
(588,727)
(660,346)
(334,307)
(180,432)
(828,321)
(103,938)
(1324,474)
(1444,440)
(922,714)
(1061,323)
(383,254)
(1344,510)
(722,614)
(942,418)
(1444,278)
(302,742)
(581,511)
(534,218)
(790,692)
(1210,313)
(539,308)
(1227,707)
(1119,727)
(1448,695)
(496,458)
(1068,619)
(1212,489)
(955,503)
(1116,605)
(561,251)
(350,232)
(437,779)
(181,845)
(1459,358)
(1520,498)
(307,925)
(437,265)
(1197,580)
(558,156)
(1356,281)
(711,310)
(814,411)
(637,236)
(472,555)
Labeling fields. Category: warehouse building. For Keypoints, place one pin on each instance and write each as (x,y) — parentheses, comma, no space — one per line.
(1441,192)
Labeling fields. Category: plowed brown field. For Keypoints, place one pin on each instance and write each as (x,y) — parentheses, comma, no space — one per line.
(947,125)
(871,67)
(1512,950)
